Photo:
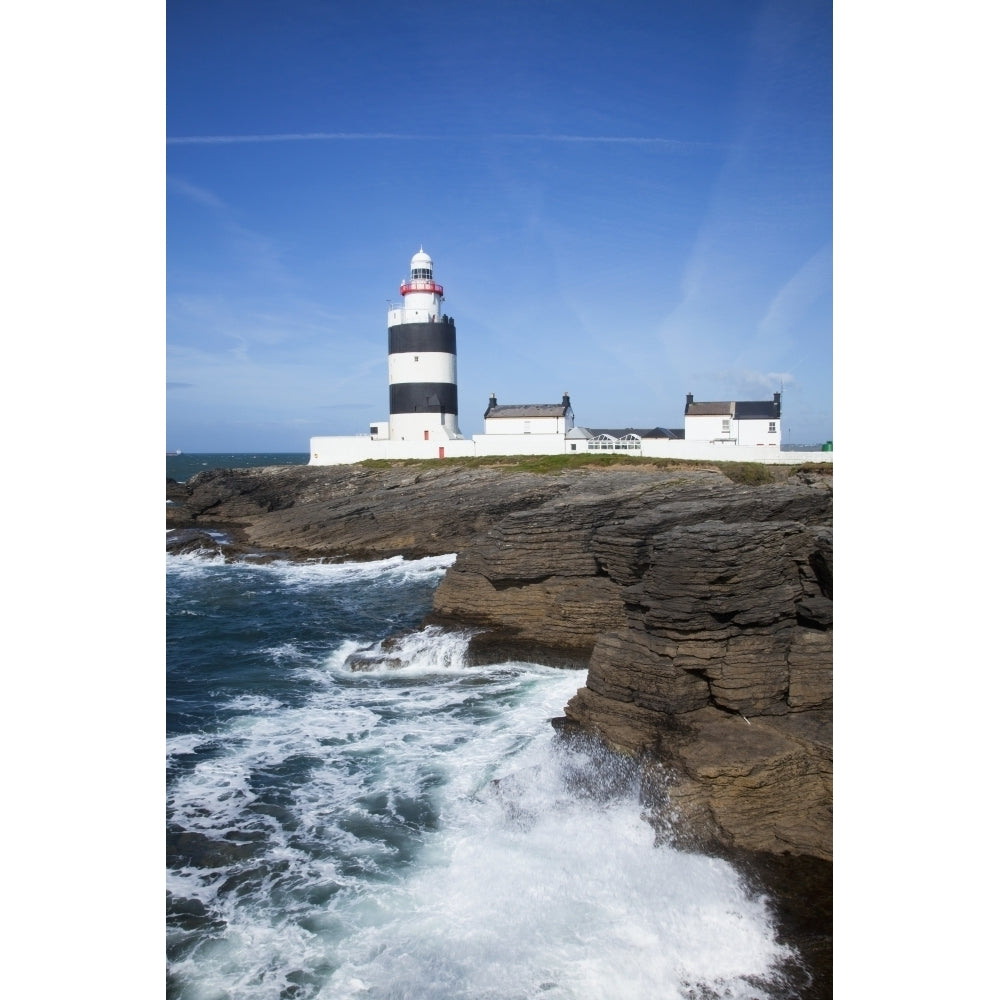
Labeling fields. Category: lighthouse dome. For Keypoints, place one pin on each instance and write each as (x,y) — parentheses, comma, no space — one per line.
(421,266)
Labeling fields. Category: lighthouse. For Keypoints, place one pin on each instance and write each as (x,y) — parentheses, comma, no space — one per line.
(423,391)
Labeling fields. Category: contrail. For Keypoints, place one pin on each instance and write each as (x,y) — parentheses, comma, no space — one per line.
(214,140)
(635,140)
(211,140)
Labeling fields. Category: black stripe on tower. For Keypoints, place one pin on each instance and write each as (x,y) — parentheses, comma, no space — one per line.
(414,338)
(423,397)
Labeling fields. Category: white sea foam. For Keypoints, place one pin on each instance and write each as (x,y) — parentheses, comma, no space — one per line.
(190,564)
(435,847)
(578,904)
(284,578)
(253,703)
(288,654)
(429,651)
(187,743)
(306,575)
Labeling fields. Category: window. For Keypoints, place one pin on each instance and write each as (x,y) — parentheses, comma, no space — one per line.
(603,442)
(725,425)
(771,429)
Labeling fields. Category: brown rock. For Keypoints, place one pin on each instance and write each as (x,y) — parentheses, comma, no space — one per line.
(703,607)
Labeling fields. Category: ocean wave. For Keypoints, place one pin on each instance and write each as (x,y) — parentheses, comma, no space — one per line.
(299,574)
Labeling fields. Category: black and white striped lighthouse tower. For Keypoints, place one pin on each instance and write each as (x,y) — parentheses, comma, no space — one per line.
(423,391)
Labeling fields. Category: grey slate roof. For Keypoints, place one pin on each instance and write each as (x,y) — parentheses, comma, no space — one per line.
(528,410)
(651,432)
(708,410)
(513,410)
(755,409)
(763,410)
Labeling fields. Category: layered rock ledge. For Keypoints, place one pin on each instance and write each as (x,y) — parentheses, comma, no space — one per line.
(701,608)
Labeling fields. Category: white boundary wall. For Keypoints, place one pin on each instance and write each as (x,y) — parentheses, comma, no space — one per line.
(706,452)
(520,444)
(347,450)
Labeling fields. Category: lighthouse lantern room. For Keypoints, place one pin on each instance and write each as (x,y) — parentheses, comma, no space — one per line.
(423,388)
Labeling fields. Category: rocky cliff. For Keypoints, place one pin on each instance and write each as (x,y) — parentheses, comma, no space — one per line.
(701,607)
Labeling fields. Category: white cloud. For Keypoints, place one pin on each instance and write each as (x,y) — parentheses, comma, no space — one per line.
(795,297)
(752,382)
(195,193)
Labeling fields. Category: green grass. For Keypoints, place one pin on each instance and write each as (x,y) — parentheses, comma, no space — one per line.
(821,468)
(747,473)
(549,464)
(540,464)
(744,473)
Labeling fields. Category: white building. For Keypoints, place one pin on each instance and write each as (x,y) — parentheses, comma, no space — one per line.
(528,418)
(753,423)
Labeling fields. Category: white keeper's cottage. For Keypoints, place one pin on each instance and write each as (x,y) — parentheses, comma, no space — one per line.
(528,418)
(746,423)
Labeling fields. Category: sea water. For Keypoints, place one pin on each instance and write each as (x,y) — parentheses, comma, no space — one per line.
(181,467)
(354,817)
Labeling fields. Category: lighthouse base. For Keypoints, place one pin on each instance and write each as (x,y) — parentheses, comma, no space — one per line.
(424,427)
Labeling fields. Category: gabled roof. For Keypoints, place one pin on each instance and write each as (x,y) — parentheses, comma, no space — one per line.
(755,409)
(522,410)
(528,410)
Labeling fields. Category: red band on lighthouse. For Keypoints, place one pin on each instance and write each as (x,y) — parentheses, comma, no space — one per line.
(421,286)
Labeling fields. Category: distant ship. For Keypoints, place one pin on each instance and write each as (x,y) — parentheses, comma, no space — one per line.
(171,454)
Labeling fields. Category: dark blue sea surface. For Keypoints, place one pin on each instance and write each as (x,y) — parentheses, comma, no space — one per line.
(182,467)
(355,811)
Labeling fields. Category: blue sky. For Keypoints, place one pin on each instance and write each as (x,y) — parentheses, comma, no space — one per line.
(625,201)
